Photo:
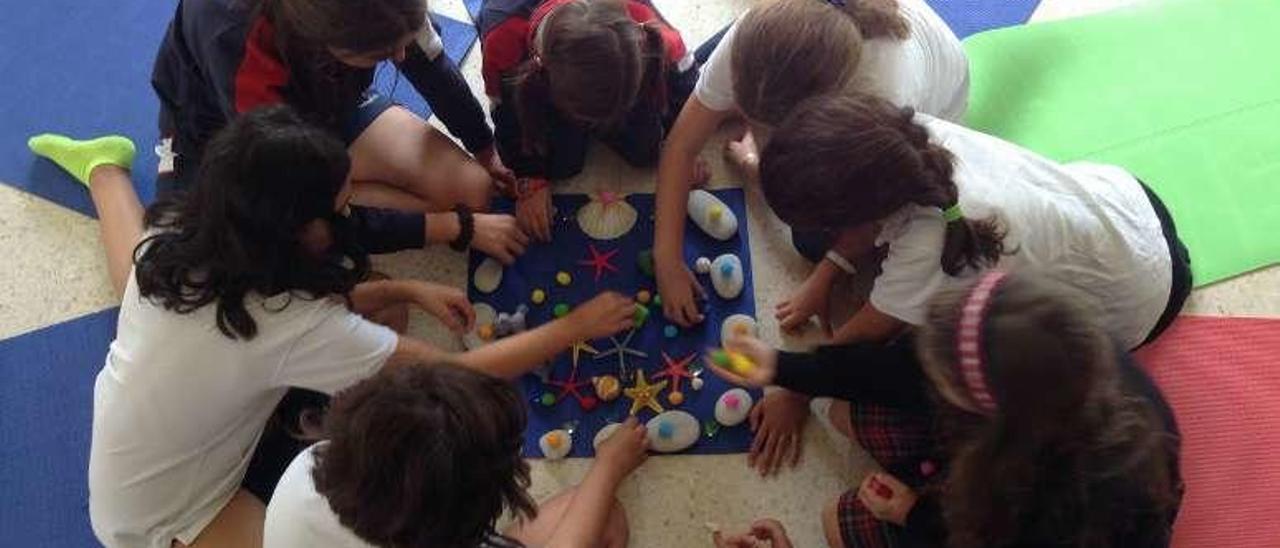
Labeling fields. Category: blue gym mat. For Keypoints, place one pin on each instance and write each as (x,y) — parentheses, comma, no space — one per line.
(458,38)
(46,393)
(84,69)
(537,268)
(966,17)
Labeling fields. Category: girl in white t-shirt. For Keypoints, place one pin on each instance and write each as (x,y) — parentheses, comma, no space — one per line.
(247,287)
(948,202)
(772,58)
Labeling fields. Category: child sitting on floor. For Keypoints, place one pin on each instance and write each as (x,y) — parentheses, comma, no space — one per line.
(560,71)
(430,456)
(1013,419)
(250,285)
(948,202)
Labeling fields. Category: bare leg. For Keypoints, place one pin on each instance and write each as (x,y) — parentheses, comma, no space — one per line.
(119,218)
(404,151)
(538,531)
(840,420)
(238,525)
(378,194)
(831,523)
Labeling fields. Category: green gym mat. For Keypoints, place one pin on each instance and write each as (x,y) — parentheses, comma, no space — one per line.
(1185,94)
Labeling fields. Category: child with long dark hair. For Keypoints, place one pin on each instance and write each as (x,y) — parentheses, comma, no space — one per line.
(948,202)
(220,58)
(1012,417)
(560,71)
(430,456)
(250,285)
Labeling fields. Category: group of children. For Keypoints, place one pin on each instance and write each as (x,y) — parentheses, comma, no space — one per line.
(988,372)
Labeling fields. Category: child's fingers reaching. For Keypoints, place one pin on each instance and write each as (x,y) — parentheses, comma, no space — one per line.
(753,417)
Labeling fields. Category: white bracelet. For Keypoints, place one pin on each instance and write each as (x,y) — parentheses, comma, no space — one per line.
(840,262)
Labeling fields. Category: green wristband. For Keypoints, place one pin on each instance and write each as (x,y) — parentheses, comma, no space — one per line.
(952,214)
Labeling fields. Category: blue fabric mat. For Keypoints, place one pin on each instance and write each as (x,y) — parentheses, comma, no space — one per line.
(537,269)
(458,38)
(46,393)
(966,17)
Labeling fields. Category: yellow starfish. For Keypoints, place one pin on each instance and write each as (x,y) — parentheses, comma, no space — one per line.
(644,394)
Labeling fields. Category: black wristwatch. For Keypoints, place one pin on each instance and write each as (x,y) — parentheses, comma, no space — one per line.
(466,228)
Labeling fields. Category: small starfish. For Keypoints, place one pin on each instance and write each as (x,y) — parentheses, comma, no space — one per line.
(644,394)
(599,261)
(580,347)
(622,349)
(570,386)
(676,370)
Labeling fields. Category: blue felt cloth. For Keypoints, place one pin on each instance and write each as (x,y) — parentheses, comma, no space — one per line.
(537,269)
(966,17)
(46,401)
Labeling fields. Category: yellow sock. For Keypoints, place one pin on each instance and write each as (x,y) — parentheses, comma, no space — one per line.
(80,157)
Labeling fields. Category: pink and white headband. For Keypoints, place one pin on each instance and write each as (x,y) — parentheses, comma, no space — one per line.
(969,340)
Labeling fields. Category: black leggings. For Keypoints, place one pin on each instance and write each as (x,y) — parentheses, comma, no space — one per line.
(1180,288)
(281,440)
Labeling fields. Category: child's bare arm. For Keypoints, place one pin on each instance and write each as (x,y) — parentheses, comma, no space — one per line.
(584,522)
(868,325)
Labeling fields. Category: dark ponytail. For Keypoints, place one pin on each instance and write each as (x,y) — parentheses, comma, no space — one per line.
(841,160)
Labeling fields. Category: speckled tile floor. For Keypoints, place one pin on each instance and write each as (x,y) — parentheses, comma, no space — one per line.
(54,271)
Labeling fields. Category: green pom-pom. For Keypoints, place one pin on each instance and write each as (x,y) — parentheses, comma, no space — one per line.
(644,261)
(640,316)
(561,310)
(548,399)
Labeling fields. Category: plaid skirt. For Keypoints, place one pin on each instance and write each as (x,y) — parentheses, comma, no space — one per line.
(903,444)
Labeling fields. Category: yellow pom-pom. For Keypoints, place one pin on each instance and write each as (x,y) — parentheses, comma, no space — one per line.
(539,296)
(563,278)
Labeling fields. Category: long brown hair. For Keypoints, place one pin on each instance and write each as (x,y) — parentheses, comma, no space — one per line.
(425,456)
(845,159)
(1067,459)
(592,63)
(878,19)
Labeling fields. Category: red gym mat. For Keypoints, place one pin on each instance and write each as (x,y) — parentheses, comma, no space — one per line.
(1222,377)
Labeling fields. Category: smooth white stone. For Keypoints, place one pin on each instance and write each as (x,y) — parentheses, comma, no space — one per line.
(488,276)
(559,452)
(733,415)
(683,427)
(703,206)
(732,323)
(727,276)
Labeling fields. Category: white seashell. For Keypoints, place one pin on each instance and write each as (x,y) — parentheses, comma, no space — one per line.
(702,265)
(672,431)
(606,216)
(488,275)
(485,315)
(712,215)
(733,406)
(696,383)
(727,276)
(558,450)
(604,433)
(738,323)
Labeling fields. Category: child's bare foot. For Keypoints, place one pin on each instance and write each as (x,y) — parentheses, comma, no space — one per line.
(701,173)
(743,154)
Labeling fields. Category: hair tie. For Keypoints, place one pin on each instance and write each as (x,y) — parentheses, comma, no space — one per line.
(969,362)
(953,213)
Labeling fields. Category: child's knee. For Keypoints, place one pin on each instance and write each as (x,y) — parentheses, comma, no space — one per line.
(474,187)
(838,414)
(831,523)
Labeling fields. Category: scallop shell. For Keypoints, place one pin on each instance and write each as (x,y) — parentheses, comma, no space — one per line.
(606,216)
(726,276)
(673,431)
(733,406)
(738,323)
(556,444)
(488,276)
(485,315)
(607,387)
(604,433)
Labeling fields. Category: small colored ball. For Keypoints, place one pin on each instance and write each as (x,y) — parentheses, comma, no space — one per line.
(657,300)
(702,265)
(644,296)
(561,310)
(485,332)
(563,278)
(726,269)
(539,296)
(666,430)
(676,398)
(554,439)
(720,358)
(670,331)
(548,399)
(696,383)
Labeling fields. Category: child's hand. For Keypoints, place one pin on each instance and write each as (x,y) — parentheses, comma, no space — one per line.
(448,304)
(887,498)
(534,214)
(762,355)
(764,532)
(777,423)
(625,449)
(602,316)
(502,176)
(810,299)
(498,236)
(678,289)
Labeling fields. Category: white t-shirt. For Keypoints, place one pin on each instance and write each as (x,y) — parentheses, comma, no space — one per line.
(1088,225)
(179,407)
(300,517)
(927,71)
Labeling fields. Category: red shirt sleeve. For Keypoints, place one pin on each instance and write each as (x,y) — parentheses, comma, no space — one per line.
(503,49)
(261,75)
(642,13)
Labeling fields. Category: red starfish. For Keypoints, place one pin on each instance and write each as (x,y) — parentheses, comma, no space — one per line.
(570,386)
(599,261)
(676,370)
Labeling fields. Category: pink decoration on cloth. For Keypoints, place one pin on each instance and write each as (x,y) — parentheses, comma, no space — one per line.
(1220,377)
(607,197)
(969,340)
